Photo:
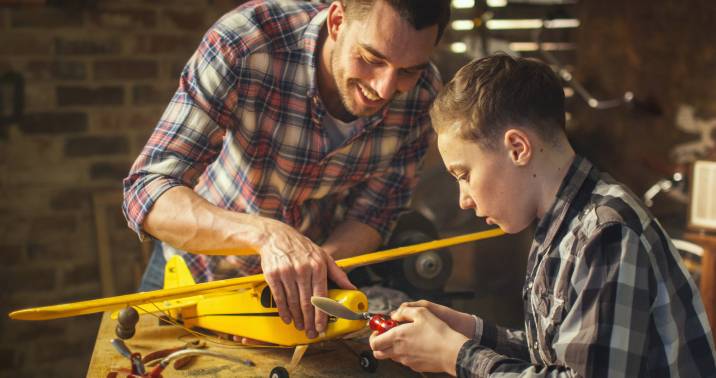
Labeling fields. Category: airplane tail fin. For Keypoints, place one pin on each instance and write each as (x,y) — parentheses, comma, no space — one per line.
(177,274)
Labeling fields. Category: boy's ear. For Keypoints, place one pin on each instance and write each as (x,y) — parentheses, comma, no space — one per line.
(518,146)
(336,19)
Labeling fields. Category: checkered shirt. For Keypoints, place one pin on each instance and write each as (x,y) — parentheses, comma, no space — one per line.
(606,295)
(244,131)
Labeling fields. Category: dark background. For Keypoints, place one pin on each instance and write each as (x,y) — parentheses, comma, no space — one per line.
(84,82)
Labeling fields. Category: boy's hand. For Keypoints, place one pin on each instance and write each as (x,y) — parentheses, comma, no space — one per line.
(458,321)
(425,343)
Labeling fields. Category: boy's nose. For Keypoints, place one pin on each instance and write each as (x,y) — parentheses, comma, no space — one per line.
(466,201)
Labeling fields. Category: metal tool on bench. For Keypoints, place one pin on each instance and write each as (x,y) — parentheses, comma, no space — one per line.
(376,322)
(138,369)
(156,357)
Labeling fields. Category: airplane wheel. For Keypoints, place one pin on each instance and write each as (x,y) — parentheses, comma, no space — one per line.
(278,372)
(368,362)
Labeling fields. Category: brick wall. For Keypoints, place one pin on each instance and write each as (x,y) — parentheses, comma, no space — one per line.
(663,53)
(97,76)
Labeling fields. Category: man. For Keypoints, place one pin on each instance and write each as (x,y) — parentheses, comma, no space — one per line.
(606,293)
(293,125)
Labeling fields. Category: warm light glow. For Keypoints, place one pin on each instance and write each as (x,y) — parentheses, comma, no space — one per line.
(496,3)
(547,46)
(459,4)
(458,47)
(561,23)
(568,92)
(462,25)
(531,24)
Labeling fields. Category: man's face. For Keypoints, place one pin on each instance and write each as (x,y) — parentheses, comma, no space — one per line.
(377,57)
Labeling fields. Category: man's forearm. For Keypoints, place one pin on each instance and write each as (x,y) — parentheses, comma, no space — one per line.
(351,238)
(183,219)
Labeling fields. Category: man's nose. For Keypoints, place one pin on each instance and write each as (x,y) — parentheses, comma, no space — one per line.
(386,82)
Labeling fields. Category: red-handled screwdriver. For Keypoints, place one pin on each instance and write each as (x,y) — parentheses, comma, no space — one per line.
(376,322)
(381,323)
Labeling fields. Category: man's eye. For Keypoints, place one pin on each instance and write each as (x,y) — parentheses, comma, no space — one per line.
(370,61)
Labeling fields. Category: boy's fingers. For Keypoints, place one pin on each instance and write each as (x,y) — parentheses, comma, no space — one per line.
(381,342)
(248,341)
(383,354)
(408,314)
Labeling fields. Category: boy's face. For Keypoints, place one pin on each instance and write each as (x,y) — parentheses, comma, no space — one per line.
(490,182)
(378,57)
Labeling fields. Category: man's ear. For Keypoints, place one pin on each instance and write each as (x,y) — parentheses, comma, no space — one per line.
(336,19)
(519,146)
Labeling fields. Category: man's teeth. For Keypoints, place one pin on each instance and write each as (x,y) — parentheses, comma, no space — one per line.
(367,94)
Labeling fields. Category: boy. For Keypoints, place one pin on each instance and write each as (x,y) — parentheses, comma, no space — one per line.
(605,294)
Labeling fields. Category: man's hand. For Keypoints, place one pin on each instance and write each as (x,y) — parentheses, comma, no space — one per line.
(295,269)
(424,343)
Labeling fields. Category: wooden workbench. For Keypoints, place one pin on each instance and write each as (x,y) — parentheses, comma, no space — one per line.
(330,359)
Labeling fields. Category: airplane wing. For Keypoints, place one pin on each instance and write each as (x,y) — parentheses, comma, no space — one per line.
(122,301)
(115,303)
(396,253)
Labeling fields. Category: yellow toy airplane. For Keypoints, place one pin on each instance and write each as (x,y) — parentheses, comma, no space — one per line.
(241,306)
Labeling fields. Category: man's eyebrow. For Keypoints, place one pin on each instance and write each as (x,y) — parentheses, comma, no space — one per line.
(381,56)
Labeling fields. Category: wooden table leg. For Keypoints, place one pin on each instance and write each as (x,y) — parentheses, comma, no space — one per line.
(707,286)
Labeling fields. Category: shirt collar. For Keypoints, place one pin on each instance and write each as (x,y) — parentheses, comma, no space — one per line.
(551,222)
(309,43)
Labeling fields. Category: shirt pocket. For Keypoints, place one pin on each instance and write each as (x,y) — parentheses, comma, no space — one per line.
(549,313)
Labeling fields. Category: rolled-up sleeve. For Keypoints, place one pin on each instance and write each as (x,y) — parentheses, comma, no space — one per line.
(190,133)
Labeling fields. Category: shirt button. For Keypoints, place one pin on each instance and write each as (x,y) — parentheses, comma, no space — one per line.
(529,285)
(535,346)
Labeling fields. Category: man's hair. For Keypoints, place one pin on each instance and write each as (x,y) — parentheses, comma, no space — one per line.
(419,13)
(491,94)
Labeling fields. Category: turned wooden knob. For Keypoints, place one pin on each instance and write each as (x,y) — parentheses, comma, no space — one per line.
(126,322)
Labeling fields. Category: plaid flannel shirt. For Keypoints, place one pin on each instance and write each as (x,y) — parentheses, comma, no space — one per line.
(244,130)
(606,295)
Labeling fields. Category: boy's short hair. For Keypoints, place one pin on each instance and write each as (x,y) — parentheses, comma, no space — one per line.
(488,95)
(419,13)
